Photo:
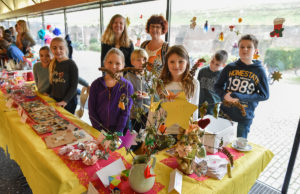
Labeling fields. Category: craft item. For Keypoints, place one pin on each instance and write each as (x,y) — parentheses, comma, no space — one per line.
(179,111)
(240,20)
(212,29)
(83,97)
(114,168)
(81,146)
(205,28)
(237,32)
(278,29)
(199,167)
(41,128)
(24,117)
(91,147)
(60,138)
(66,149)
(193,23)
(127,21)
(147,173)
(128,140)
(175,183)
(162,128)
(74,154)
(114,181)
(256,55)
(231,27)
(202,123)
(221,37)
(276,76)
(125,174)
(89,159)
(153,105)
(229,170)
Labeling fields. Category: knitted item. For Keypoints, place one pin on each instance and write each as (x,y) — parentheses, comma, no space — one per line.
(277,32)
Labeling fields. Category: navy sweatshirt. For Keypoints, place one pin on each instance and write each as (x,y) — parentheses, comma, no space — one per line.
(248,83)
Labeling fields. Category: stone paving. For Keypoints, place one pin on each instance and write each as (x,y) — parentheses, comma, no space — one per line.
(274,127)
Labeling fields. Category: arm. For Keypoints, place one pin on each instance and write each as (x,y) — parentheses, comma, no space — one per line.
(92,104)
(261,92)
(195,99)
(73,82)
(122,120)
(83,82)
(35,75)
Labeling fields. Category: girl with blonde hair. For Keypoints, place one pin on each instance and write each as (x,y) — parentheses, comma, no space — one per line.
(63,76)
(106,95)
(24,39)
(116,36)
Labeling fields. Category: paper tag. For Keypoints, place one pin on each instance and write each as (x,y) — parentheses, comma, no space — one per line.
(20,110)
(24,117)
(9,103)
(175,181)
(92,189)
(112,169)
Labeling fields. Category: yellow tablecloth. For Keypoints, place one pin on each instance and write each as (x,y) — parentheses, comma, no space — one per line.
(46,172)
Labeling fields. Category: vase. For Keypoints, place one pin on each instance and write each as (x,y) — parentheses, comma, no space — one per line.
(137,179)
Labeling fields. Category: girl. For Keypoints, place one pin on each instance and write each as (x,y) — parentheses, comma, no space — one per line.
(176,78)
(116,36)
(41,71)
(106,94)
(24,39)
(63,76)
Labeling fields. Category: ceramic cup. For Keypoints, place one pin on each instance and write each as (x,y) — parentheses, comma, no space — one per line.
(241,142)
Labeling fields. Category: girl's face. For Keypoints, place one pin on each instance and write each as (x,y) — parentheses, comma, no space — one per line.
(246,51)
(118,26)
(58,49)
(19,28)
(177,65)
(155,30)
(45,57)
(114,63)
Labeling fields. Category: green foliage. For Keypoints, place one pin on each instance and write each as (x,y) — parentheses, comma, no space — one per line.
(282,58)
(78,45)
(95,47)
(94,40)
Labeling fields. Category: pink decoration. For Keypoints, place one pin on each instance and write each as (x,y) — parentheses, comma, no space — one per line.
(128,140)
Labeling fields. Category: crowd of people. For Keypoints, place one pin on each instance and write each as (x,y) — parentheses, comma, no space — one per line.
(56,75)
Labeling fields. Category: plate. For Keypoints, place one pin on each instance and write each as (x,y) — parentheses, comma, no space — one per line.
(245,149)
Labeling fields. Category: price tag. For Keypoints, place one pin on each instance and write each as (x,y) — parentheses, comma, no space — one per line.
(24,117)
(20,110)
(9,103)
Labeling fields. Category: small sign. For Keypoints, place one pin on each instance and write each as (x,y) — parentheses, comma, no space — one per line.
(175,183)
(24,117)
(92,189)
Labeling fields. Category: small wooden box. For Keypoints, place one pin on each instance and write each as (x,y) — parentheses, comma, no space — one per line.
(216,130)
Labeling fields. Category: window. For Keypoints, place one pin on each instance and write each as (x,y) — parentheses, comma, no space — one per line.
(138,15)
(35,24)
(84,31)
(56,20)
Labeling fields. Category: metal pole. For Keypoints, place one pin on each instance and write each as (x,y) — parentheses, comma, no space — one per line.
(291,161)
(66,23)
(43,21)
(168,18)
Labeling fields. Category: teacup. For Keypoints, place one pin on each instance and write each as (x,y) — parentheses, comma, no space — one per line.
(241,142)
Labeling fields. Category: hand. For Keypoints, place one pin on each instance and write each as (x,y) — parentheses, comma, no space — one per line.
(61,104)
(228,98)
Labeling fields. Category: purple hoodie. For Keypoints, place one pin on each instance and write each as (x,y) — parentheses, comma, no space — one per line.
(103,105)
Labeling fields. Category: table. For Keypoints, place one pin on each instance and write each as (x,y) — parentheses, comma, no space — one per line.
(46,172)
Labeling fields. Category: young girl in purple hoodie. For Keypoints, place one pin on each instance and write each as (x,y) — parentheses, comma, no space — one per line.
(109,100)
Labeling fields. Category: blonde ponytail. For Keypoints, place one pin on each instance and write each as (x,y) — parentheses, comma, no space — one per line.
(51,70)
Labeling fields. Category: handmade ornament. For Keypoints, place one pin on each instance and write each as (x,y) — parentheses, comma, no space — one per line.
(221,37)
(127,21)
(179,111)
(153,105)
(114,181)
(89,160)
(170,95)
(199,168)
(237,32)
(278,29)
(205,28)
(193,23)
(48,27)
(122,101)
(276,76)
(91,147)
(162,128)
(56,32)
(60,138)
(128,140)
(41,34)
(256,55)
(240,20)
(231,27)
(147,173)
(216,110)
(74,154)
(65,149)
(212,29)
(141,16)
(202,123)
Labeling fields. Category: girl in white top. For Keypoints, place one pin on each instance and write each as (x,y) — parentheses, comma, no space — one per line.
(176,77)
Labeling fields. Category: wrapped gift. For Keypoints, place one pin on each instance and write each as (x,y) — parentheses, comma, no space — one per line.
(218,129)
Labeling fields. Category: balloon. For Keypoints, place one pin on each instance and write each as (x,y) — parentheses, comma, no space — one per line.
(48,27)
(41,34)
(48,39)
(56,32)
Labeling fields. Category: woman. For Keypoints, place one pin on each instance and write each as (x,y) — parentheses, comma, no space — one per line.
(116,36)
(156,47)
(24,39)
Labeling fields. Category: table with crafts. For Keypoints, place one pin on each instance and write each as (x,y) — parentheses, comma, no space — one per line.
(47,172)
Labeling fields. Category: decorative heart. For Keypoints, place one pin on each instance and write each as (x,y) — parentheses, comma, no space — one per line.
(203,123)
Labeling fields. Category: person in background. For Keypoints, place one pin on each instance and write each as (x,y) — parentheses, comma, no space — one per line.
(13,33)
(63,76)
(11,51)
(243,81)
(116,36)
(1,32)
(41,71)
(156,47)
(207,78)
(24,39)
(109,100)
(138,58)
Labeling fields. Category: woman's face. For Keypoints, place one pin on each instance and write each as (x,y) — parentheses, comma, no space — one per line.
(118,26)
(114,63)
(19,28)
(155,30)
(58,49)
(177,65)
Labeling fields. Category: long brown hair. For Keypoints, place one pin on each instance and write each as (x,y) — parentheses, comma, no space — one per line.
(109,36)
(53,62)
(23,25)
(187,80)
